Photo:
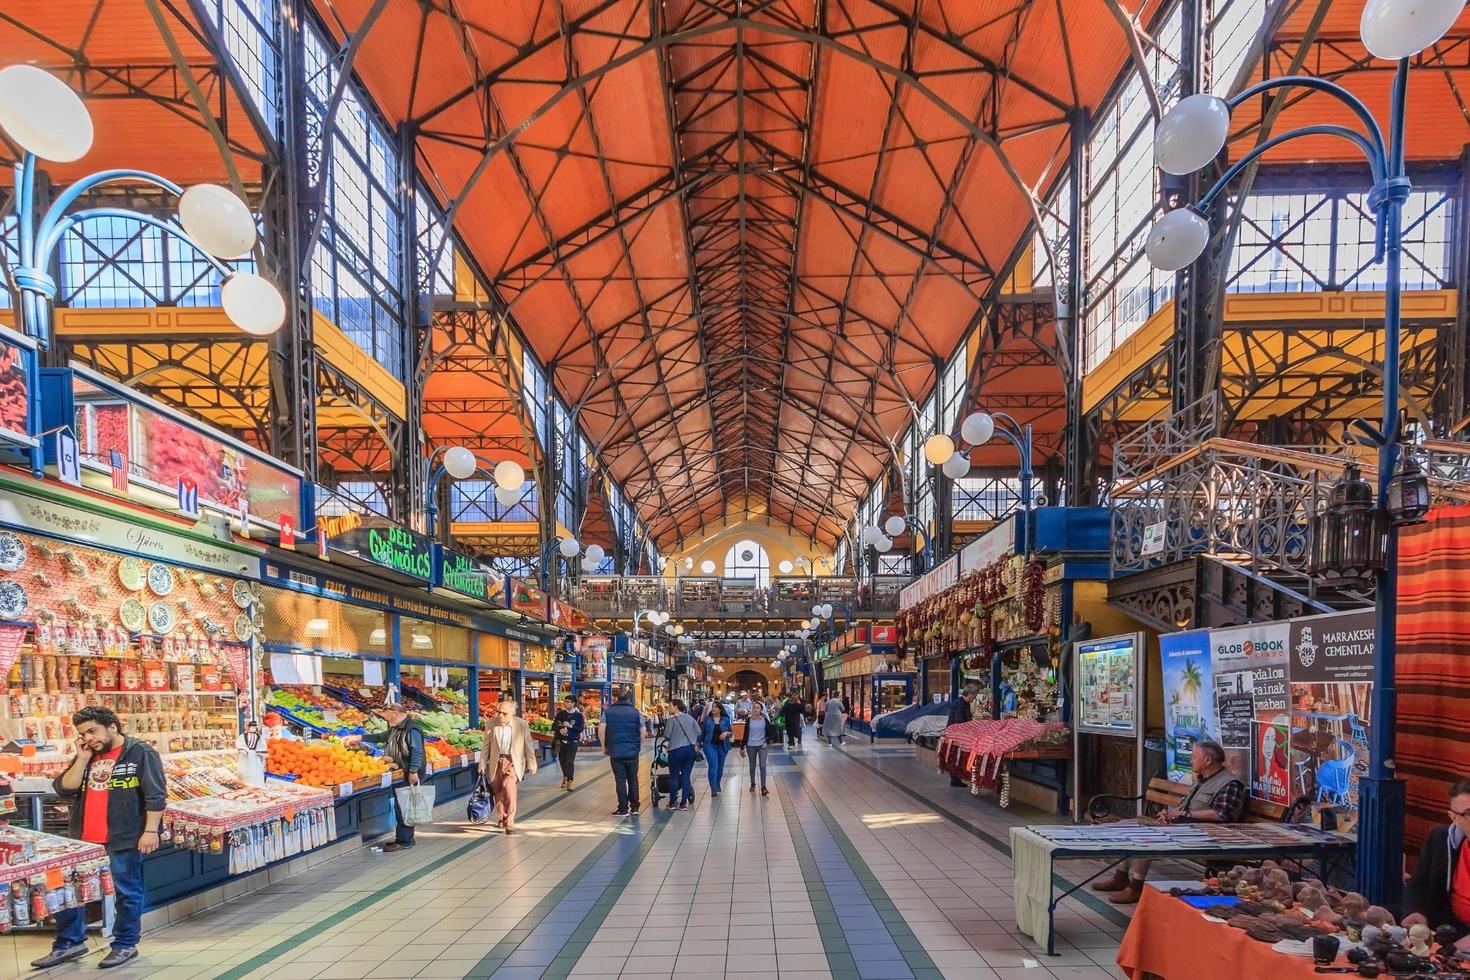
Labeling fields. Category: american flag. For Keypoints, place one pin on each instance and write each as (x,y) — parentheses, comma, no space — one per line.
(119,471)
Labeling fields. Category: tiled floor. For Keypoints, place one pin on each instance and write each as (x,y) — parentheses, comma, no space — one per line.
(861,865)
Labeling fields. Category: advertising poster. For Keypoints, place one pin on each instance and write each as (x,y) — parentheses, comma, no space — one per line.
(1259,650)
(1189,698)
(1108,685)
(1331,687)
(1270,777)
(595,658)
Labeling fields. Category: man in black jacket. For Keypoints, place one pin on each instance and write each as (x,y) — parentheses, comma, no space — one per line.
(1439,893)
(116,785)
(793,718)
(403,742)
(959,713)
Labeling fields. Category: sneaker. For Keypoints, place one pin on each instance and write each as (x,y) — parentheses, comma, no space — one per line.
(765,792)
(58,956)
(683,806)
(118,956)
(672,806)
(752,787)
(620,813)
(396,846)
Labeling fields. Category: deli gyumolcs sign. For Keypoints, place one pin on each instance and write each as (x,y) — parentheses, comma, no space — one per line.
(395,548)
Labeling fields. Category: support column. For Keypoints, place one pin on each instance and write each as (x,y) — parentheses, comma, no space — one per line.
(408,476)
(1081,464)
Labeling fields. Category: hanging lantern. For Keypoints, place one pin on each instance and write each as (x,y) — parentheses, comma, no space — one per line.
(1348,535)
(1407,497)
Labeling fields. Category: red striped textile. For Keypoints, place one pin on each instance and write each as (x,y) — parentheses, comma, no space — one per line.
(1433,666)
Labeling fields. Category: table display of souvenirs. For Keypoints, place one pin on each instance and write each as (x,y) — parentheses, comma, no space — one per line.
(977,751)
(1308,918)
(321,711)
(169,723)
(41,874)
(210,808)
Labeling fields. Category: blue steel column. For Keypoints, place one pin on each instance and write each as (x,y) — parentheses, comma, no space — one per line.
(1380,793)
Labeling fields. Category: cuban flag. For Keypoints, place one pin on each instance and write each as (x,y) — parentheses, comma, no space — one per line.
(188,497)
(119,462)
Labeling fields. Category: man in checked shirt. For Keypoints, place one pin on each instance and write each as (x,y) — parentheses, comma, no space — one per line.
(1217,796)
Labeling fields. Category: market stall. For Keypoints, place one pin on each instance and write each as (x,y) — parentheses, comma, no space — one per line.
(982,753)
(594,681)
(496,680)
(41,874)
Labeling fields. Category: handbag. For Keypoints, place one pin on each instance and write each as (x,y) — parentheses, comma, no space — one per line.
(481,802)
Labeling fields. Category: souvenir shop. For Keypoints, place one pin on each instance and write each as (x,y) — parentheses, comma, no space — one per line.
(866,670)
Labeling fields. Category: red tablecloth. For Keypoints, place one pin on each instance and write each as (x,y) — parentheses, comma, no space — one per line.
(1170,939)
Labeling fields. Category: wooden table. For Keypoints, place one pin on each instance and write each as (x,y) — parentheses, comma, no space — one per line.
(1172,940)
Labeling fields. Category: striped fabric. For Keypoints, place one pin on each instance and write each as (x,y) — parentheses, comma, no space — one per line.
(1433,666)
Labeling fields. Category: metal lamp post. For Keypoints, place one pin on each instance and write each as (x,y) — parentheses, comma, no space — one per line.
(461,463)
(1191,136)
(977,429)
(49,121)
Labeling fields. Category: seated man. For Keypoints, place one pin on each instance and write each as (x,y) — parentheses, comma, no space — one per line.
(1217,796)
(1439,892)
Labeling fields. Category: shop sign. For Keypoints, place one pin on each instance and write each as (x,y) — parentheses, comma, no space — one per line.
(462,574)
(393,547)
(527,599)
(1333,649)
(90,527)
(996,543)
(932,583)
(338,524)
(567,616)
(884,636)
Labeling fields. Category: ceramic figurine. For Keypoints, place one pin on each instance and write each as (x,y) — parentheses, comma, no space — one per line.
(1354,927)
(1371,934)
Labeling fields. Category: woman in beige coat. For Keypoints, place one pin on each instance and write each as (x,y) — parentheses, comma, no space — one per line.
(509,756)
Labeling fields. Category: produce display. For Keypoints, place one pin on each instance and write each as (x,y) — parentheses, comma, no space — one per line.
(352,690)
(442,724)
(444,696)
(41,874)
(325,764)
(322,712)
(440,755)
(465,741)
(541,726)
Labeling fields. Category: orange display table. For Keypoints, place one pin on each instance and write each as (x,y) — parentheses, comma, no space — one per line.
(1171,940)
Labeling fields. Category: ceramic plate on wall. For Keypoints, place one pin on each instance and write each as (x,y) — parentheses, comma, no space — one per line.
(133,615)
(244,628)
(161,617)
(13,600)
(242,595)
(160,579)
(132,573)
(12,551)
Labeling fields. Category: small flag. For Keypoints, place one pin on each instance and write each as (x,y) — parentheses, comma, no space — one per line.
(288,531)
(244,516)
(119,463)
(68,460)
(188,497)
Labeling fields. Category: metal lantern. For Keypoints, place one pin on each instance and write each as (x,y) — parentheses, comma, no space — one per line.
(1407,497)
(1348,534)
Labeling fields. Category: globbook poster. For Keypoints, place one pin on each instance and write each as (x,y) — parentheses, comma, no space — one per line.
(1249,664)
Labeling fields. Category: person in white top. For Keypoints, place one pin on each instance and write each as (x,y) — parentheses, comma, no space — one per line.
(508,757)
(742,707)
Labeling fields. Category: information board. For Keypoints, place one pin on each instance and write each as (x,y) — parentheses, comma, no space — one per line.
(1108,672)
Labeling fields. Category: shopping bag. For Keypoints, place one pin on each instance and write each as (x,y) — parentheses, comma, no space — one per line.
(481,804)
(416,803)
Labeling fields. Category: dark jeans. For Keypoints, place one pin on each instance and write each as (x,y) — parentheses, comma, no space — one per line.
(127,877)
(716,759)
(625,779)
(403,833)
(681,768)
(793,735)
(566,755)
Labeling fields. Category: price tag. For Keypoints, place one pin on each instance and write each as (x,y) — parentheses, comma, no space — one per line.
(477,755)
(54,879)
(345,789)
(464,760)
(387,779)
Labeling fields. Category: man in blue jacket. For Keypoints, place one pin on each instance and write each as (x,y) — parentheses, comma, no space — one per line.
(621,734)
(117,788)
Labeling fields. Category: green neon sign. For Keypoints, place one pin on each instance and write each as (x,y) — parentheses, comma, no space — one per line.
(401,550)
(462,574)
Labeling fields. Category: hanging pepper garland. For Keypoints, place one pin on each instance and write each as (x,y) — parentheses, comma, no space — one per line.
(1002,601)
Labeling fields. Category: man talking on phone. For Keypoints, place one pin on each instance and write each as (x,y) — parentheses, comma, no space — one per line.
(117,792)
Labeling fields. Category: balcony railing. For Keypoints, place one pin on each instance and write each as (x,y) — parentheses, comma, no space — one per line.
(623,597)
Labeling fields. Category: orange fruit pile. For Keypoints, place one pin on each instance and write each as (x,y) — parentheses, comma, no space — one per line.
(440,754)
(320,763)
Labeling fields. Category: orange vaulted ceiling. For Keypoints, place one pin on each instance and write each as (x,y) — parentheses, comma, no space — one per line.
(142,112)
(743,234)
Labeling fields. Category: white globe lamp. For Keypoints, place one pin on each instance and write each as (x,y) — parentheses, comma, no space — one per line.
(217,220)
(253,304)
(595,553)
(507,498)
(785,567)
(569,547)
(956,467)
(938,448)
(1191,134)
(1177,239)
(460,463)
(43,115)
(883,544)
(817,611)
(678,631)
(509,474)
(894,526)
(707,567)
(826,610)
(977,428)
(1394,29)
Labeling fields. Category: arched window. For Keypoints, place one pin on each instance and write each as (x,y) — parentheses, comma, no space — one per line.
(748,560)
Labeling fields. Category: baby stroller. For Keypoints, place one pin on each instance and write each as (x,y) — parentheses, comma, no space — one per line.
(661,783)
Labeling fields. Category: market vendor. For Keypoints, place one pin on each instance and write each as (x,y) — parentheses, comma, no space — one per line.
(1439,892)
(960,712)
(1217,796)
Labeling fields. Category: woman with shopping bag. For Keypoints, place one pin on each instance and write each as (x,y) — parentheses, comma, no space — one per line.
(507,758)
(403,743)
